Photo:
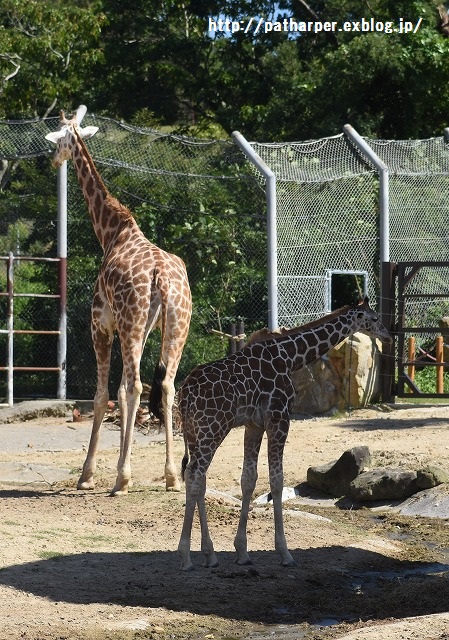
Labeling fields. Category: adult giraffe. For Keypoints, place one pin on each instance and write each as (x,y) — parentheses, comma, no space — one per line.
(253,387)
(139,287)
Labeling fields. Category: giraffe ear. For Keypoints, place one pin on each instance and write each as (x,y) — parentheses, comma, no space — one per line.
(55,136)
(88,132)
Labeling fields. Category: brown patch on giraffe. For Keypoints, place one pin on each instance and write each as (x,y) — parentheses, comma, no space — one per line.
(256,383)
(125,298)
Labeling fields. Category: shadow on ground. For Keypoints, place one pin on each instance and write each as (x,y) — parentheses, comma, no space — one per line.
(344,583)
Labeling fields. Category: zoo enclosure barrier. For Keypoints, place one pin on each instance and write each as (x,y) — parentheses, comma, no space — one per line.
(11,332)
(416,327)
(206,202)
(346,204)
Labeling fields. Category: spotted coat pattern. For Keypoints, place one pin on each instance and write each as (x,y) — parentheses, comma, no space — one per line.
(139,287)
(254,388)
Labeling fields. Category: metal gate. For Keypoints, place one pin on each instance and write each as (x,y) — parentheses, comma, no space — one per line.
(415,306)
(10,331)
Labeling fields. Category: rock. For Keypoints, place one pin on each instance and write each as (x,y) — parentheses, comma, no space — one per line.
(317,388)
(335,477)
(431,476)
(348,376)
(431,503)
(384,484)
(361,376)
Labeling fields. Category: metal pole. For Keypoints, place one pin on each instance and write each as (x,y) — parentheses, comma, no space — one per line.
(364,147)
(62,279)
(10,328)
(271,226)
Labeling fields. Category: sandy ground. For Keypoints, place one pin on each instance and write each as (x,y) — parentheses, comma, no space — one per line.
(82,565)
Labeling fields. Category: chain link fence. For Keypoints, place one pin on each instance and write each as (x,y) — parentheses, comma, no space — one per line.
(205,202)
(328,219)
(194,198)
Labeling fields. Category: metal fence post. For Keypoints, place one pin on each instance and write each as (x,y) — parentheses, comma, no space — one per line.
(384,205)
(62,279)
(10,329)
(271,226)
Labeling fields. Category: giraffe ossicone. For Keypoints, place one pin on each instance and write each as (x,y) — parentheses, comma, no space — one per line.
(253,388)
(139,288)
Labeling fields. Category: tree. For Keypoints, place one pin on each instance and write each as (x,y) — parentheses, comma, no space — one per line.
(47,52)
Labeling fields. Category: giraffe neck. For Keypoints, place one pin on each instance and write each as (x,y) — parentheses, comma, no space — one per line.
(108,216)
(309,344)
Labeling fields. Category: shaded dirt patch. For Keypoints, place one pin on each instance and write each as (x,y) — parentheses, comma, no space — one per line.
(83,565)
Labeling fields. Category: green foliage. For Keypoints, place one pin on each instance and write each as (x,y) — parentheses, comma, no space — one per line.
(154,64)
(47,53)
(425,380)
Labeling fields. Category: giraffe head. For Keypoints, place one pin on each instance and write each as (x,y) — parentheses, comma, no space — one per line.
(64,137)
(367,321)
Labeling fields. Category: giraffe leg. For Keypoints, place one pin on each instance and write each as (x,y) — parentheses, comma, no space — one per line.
(123,412)
(132,395)
(174,335)
(277,436)
(195,481)
(102,334)
(168,397)
(253,439)
(192,491)
(86,480)
(207,546)
(129,394)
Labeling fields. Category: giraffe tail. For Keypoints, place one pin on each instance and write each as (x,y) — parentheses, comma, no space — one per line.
(155,399)
(185,462)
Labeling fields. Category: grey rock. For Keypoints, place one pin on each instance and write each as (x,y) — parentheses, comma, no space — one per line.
(431,503)
(431,476)
(384,484)
(335,477)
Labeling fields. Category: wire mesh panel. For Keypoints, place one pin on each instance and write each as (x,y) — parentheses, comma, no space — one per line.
(327,219)
(194,198)
(205,202)
(328,215)
(28,228)
(419,197)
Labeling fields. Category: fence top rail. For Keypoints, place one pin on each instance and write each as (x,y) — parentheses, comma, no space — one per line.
(31,258)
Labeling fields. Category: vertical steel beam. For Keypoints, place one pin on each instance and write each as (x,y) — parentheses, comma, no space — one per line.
(10,329)
(384,205)
(270,192)
(62,279)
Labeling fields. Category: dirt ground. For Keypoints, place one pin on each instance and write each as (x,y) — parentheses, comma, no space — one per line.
(82,565)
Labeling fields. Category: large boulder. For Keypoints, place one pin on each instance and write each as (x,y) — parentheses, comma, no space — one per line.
(347,377)
(384,484)
(335,477)
(431,476)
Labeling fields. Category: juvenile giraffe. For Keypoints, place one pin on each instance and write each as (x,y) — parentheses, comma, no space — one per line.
(139,287)
(253,387)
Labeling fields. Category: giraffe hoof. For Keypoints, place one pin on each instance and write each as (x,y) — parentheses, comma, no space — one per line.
(173,485)
(245,562)
(88,485)
(119,492)
(211,563)
(288,563)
